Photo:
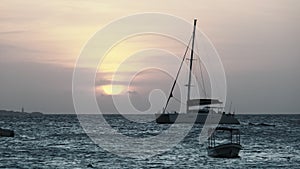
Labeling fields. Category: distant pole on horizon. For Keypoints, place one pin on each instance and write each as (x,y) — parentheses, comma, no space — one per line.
(22,110)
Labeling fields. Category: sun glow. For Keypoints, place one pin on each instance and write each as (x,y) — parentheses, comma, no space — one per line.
(127,58)
(112,89)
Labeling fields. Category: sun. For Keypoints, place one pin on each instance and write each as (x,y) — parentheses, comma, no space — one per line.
(112,89)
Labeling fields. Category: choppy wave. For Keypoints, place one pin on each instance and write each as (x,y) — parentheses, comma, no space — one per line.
(58,141)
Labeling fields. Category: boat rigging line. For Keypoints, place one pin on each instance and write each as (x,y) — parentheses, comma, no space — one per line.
(173,86)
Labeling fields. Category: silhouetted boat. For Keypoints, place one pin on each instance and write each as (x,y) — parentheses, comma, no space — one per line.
(203,105)
(225,150)
(261,124)
(6,133)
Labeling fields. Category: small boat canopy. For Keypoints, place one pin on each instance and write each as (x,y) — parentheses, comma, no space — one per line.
(233,131)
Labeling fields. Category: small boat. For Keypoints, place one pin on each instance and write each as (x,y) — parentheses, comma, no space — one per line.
(6,133)
(262,124)
(228,149)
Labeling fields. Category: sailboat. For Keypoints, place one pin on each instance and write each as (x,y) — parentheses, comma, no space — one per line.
(205,106)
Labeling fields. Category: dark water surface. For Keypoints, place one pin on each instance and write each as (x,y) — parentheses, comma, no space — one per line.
(58,141)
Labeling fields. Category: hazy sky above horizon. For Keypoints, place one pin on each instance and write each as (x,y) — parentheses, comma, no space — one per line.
(257,40)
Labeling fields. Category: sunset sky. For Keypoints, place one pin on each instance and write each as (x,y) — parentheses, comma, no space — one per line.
(257,40)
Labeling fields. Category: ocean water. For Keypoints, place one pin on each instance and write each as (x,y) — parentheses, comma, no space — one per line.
(58,141)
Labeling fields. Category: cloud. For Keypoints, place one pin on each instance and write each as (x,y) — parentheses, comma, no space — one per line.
(133,92)
(12,32)
(36,86)
(258,45)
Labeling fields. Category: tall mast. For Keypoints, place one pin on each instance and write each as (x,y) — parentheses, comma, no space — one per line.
(191,66)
